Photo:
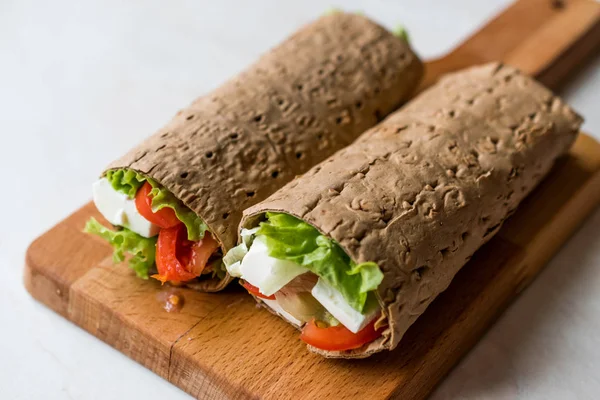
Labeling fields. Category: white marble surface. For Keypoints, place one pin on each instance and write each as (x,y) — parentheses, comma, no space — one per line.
(82,81)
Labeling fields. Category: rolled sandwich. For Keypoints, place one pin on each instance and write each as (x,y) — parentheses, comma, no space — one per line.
(356,249)
(178,197)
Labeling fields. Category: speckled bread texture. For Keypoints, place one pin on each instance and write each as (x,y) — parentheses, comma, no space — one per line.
(302,101)
(423,190)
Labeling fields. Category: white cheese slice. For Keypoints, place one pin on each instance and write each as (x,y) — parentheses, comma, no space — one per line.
(120,210)
(335,303)
(268,274)
(274,305)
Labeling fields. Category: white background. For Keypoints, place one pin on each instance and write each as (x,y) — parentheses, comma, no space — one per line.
(83,81)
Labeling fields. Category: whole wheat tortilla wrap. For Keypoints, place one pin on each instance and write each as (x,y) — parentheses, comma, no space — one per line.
(299,103)
(417,195)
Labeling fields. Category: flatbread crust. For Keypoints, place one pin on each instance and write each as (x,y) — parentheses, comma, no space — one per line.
(305,99)
(422,191)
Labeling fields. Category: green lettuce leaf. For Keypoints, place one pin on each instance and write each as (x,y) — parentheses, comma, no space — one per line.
(289,238)
(128,181)
(141,249)
(162,198)
(402,33)
(125,181)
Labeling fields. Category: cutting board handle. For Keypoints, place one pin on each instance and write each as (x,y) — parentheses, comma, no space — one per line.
(547,39)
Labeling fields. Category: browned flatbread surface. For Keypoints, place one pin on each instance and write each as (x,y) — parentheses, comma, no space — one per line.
(298,104)
(422,191)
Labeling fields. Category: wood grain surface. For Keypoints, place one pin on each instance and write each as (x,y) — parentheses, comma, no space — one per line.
(222,346)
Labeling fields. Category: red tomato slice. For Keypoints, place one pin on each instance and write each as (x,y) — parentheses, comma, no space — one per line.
(169,266)
(165,218)
(256,291)
(200,252)
(338,338)
(178,259)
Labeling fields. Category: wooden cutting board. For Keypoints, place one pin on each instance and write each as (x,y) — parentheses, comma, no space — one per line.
(221,346)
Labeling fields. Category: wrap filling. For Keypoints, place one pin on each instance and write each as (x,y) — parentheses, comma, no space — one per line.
(160,236)
(308,279)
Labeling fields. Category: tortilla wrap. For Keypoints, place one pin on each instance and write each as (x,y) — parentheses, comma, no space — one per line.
(299,103)
(419,193)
